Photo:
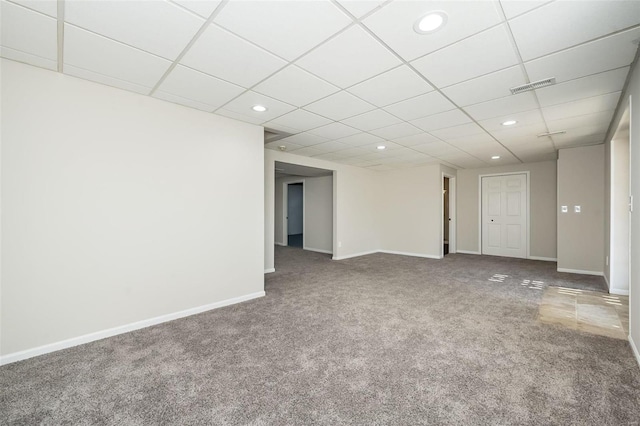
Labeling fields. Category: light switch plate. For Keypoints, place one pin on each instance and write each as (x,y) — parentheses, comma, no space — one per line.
(565,209)
(576,209)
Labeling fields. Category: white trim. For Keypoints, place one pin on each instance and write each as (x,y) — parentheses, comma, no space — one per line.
(635,349)
(270,270)
(99,335)
(317,250)
(619,292)
(546,259)
(404,253)
(580,271)
(349,256)
(468,252)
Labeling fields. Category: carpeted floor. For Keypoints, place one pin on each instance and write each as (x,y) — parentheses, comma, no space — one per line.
(376,340)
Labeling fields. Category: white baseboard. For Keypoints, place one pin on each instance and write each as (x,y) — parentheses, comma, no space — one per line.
(278,243)
(467,252)
(270,270)
(317,250)
(99,335)
(349,256)
(635,349)
(619,292)
(580,271)
(546,259)
(402,253)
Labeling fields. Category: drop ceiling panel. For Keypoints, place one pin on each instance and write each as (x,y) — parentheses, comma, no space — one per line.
(392,86)
(458,131)
(28,36)
(331,146)
(420,106)
(436,149)
(287,28)
(307,151)
(419,139)
(108,81)
(394,24)
(196,86)
(48,7)
(203,8)
(361,139)
(359,8)
(334,131)
(339,106)
(599,84)
(158,27)
(440,121)
(182,101)
(277,144)
(488,87)
(349,58)
(300,120)
(481,54)
(597,56)
(303,139)
(600,120)
(591,135)
(221,54)
(582,106)
(522,119)
(236,116)
(244,103)
(563,24)
(396,131)
(519,134)
(372,120)
(295,86)
(514,8)
(503,106)
(101,55)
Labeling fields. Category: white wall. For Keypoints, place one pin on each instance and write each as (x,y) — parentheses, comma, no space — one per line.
(581,235)
(542,215)
(617,271)
(117,208)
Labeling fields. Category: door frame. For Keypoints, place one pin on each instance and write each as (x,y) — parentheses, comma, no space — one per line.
(452,213)
(528,209)
(285,211)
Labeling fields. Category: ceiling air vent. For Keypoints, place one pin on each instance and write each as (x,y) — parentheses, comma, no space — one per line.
(533,86)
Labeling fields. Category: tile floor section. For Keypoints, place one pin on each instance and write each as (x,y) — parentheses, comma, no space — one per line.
(589,311)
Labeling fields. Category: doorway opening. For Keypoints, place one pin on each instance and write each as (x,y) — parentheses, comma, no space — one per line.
(448,214)
(295,214)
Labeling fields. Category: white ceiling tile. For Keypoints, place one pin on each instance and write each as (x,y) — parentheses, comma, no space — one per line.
(304,139)
(361,139)
(522,119)
(600,119)
(287,28)
(352,152)
(203,8)
(390,147)
(300,120)
(244,103)
(194,85)
(591,135)
(436,148)
(563,24)
(295,86)
(541,146)
(157,27)
(396,131)
(491,86)
(503,106)
(339,106)
(441,120)
(394,24)
(28,36)
(582,106)
(458,131)
(331,146)
(519,134)
(359,8)
(420,106)
(594,85)
(100,55)
(393,86)
(413,140)
(223,55)
(481,54)
(169,97)
(477,140)
(48,7)
(535,158)
(349,58)
(106,80)
(307,151)
(372,120)
(334,131)
(514,8)
(277,144)
(240,117)
(591,58)
(283,131)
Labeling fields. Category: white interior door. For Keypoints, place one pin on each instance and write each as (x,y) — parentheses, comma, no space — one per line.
(504,215)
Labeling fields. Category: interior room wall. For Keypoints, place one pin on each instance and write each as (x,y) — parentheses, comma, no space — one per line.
(617,213)
(581,235)
(119,208)
(542,218)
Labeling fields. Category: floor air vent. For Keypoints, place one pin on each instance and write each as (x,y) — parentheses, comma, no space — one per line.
(533,86)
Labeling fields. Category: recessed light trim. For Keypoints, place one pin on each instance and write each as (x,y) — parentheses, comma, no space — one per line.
(509,123)
(259,108)
(381,147)
(431,22)
(495,157)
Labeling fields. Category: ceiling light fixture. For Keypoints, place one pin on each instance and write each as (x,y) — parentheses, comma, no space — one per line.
(431,22)
(381,147)
(509,123)
(495,157)
(259,108)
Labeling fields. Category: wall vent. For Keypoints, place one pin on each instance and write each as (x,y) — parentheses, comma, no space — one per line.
(533,86)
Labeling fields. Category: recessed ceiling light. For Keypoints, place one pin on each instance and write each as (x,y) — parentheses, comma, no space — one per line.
(495,157)
(430,23)
(509,123)
(259,108)
(381,147)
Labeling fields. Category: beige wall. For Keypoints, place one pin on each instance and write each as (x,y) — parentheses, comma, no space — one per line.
(542,216)
(581,235)
(119,208)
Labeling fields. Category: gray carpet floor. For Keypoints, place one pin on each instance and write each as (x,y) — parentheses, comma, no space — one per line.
(376,340)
